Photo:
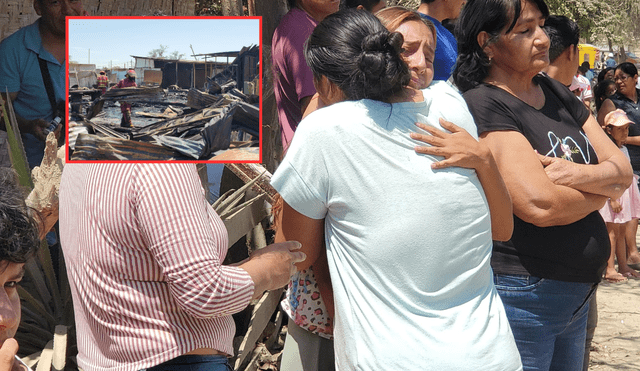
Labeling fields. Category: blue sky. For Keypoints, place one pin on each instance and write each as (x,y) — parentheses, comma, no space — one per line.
(111,42)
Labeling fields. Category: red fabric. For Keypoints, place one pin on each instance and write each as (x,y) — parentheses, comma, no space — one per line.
(126,83)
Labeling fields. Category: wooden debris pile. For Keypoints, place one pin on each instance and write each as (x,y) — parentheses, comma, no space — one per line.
(195,133)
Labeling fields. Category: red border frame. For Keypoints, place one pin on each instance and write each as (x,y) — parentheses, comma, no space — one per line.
(259,18)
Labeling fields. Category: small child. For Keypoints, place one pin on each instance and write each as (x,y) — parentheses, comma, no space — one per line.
(617,213)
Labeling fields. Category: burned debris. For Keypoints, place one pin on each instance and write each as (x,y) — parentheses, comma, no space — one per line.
(212,120)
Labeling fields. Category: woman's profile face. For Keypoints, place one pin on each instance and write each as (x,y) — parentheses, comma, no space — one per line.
(419,50)
(525,48)
(625,83)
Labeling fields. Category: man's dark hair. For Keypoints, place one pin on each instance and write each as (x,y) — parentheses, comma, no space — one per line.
(563,32)
(426,1)
(18,229)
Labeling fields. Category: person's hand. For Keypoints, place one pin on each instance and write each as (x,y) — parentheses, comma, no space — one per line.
(559,171)
(458,148)
(36,128)
(271,267)
(7,356)
(615,206)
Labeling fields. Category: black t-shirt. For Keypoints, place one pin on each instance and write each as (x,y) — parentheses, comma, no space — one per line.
(577,252)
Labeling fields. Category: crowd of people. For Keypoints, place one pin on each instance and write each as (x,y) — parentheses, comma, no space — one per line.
(529,101)
(449,199)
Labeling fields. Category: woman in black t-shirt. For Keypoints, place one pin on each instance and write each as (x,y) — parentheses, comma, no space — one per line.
(559,167)
(627,98)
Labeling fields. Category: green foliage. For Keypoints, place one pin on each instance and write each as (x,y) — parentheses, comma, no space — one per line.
(602,21)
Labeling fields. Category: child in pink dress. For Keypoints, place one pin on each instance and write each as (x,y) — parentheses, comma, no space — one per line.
(616,213)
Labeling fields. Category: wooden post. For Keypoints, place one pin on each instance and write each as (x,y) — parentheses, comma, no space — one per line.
(271,12)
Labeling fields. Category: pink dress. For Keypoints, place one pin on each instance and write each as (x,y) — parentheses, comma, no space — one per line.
(630,201)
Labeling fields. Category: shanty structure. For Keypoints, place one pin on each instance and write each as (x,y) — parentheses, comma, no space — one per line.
(243,68)
(82,75)
(185,74)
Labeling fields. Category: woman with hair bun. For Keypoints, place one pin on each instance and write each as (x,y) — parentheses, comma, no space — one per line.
(407,233)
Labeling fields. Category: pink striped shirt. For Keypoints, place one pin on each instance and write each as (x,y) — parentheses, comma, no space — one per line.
(144,253)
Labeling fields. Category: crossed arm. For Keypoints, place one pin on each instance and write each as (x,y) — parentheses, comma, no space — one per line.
(551,191)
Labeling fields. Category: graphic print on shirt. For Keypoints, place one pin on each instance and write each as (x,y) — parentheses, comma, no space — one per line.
(565,148)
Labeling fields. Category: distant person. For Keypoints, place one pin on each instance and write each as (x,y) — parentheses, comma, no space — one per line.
(18,243)
(27,57)
(369,5)
(606,74)
(103,82)
(610,62)
(627,98)
(618,212)
(437,11)
(129,81)
(587,72)
(603,90)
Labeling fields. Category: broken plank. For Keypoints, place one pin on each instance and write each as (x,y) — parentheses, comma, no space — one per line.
(91,147)
(261,315)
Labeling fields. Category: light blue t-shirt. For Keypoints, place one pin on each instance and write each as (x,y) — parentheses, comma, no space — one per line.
(20,72)
(408,247)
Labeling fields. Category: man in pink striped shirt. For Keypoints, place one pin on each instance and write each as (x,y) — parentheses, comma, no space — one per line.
(144,253)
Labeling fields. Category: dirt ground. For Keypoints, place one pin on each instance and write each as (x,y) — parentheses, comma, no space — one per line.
(616,343)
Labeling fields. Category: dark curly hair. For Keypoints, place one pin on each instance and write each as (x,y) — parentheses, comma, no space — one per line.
(495,17)
(358,54)
(18,229)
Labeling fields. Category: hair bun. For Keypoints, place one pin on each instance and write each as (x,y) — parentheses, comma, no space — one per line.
(375,49)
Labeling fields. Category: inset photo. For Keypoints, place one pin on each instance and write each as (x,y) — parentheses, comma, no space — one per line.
(149,89)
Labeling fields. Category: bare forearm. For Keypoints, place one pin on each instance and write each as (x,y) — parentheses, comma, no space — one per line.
(560,206)
(609,178)
(498,199)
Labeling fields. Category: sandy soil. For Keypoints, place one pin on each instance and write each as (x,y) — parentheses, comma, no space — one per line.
(616,343)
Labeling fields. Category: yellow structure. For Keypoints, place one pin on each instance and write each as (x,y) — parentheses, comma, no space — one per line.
(589,53)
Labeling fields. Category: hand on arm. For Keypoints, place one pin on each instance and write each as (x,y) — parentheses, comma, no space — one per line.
(271,267)
(610,177)
(460,149)
(536,199)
